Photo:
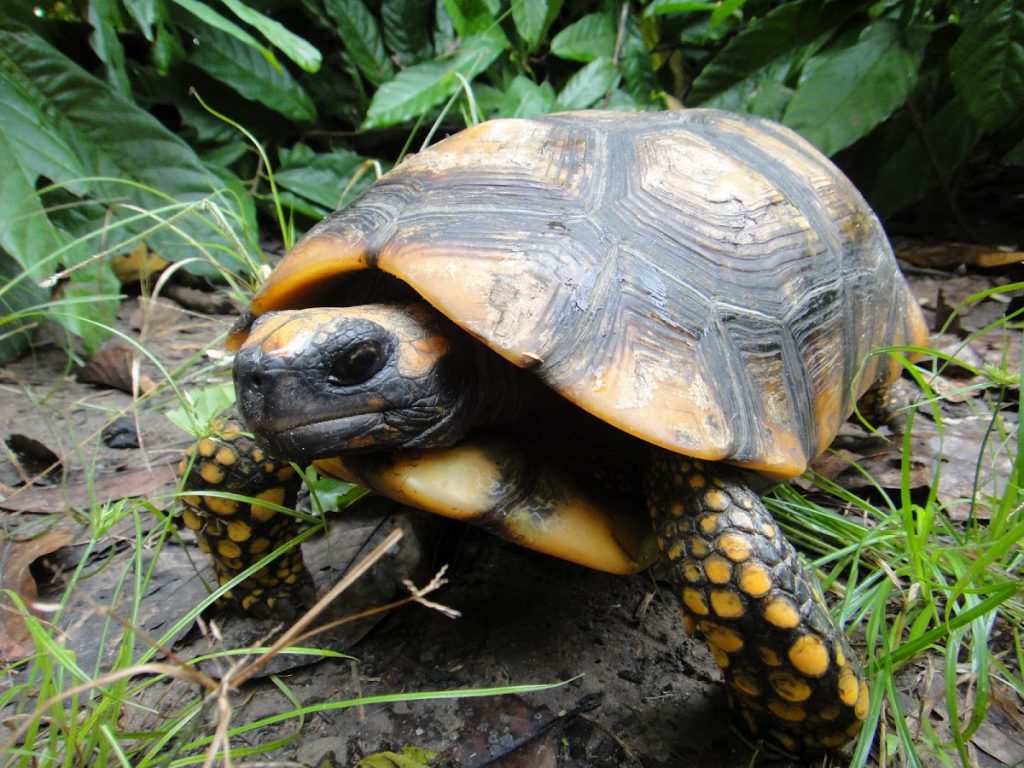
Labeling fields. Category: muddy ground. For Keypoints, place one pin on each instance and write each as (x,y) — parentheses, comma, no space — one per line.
(636,691)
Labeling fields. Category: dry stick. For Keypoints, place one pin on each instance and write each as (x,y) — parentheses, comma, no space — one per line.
(296,629)
(416,596)
(619,37)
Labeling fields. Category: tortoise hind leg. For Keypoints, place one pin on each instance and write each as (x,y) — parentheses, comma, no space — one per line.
(790,671)
(236,534)
(886,405)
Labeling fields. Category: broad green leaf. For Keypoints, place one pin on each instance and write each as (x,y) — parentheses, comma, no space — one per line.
(845,93)
(532,17)
(105,21)
(357,29)
(415,90)
(405,26)
(590,38)
(166,49)
(524,98)
(286,41)
(588,85)
(667,7)
(987,63)
(907,174)
(639,78)
(337,89)
(444,30)
(215,20)
(241,67)
(33,145)
(146,14)
(19,294)
(328,179)
(737,74)
(64,124)
(470,17)
(725,9)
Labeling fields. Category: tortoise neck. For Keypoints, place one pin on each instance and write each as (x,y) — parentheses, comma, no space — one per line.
(501,393)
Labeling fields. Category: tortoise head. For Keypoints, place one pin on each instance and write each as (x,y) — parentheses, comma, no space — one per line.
(321,382)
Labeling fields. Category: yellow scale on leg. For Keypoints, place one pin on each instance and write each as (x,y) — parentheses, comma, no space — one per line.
(236,533)
(791,673)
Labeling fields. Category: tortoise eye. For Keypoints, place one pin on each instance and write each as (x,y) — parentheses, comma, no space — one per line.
(357,364)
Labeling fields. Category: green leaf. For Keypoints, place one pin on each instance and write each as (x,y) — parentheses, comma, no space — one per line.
(63,124)
(415,90)
(764,52)
(241,67)
(166,49)
(639,78)
(215,20)
(590,38)
(470,17)
(286,41)
(524,98)
(18,294)
(667,7)
(405,26)
(33,145)
(725,9)
(327,179)
(146,14)
(532,18)
(987,63)
(105,21)
(909,173)
(357,29)
(845,93)
(588,85)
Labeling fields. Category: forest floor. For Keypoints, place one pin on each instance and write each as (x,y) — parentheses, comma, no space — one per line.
(636,692)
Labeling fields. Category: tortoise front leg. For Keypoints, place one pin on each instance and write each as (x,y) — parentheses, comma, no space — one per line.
(791,673)
(236,534)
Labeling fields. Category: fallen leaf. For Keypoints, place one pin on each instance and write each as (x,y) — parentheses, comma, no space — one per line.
(139,266)
(952,255)
(33,460)
(114,367)
(119,485)
(15,575)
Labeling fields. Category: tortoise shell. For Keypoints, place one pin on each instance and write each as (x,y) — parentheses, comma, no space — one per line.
(708,282)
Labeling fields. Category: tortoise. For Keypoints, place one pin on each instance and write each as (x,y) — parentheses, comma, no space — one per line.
(558,327)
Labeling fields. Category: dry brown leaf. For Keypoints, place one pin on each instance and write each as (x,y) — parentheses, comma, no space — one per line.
(952,255)
(32,459)
(15,559)
(113,367)
(139,266)
(120,485)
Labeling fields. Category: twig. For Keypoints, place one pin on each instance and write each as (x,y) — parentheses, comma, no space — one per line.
(620,36)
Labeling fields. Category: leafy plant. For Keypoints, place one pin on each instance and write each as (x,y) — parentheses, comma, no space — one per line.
(901,93)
